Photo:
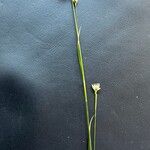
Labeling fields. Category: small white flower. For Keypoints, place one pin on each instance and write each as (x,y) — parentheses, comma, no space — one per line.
(96,87)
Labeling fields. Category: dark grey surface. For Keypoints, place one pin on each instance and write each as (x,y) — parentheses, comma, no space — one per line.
(41,104)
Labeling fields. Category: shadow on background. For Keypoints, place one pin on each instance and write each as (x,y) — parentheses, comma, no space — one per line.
(17,114)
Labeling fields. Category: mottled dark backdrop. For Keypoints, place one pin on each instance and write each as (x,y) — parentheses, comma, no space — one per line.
(41,102)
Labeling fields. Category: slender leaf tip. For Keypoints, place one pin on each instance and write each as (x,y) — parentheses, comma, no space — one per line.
(75,2)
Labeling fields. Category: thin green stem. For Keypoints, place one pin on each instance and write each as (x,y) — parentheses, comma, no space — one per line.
(80,59)
(95,120)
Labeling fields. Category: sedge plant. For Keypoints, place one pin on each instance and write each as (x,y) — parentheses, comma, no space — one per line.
(91,145)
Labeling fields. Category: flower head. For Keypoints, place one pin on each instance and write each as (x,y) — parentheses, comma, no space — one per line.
(96,87)
(75,2)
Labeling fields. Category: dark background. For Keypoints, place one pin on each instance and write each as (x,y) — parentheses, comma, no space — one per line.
(41,100)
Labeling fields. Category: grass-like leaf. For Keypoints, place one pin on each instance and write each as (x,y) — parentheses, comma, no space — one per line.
(81,65)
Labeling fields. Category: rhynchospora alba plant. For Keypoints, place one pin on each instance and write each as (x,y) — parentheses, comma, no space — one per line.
(95,86)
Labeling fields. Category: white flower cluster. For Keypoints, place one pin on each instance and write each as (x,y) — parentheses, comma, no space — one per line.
(96,87)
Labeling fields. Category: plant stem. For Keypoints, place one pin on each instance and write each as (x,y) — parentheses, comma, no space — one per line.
(80,59)
(95,120)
